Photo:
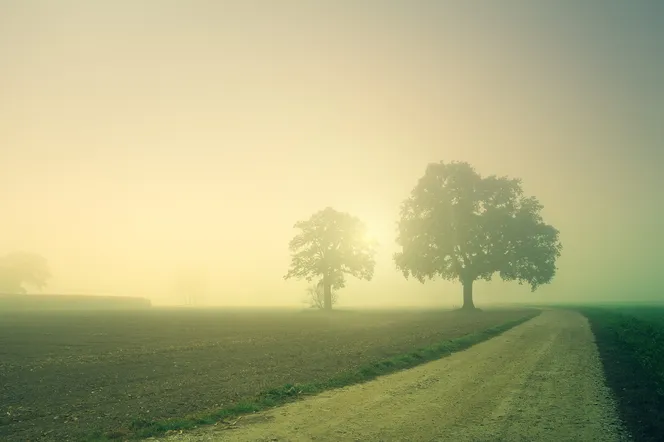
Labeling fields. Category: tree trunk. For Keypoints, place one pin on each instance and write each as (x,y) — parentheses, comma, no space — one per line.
(468,296)
(327,294)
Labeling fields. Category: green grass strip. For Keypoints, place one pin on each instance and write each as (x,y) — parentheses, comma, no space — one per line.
(289,392)
(632,353)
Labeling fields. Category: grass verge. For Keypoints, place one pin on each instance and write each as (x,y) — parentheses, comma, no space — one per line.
(289,392)
(631,346)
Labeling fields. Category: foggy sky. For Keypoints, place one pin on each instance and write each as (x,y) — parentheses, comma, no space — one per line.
(143,139)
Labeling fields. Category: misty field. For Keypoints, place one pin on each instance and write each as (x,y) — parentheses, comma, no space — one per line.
(70,375)
(631,345)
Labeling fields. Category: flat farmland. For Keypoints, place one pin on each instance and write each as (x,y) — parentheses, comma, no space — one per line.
(69,375)
(631,343)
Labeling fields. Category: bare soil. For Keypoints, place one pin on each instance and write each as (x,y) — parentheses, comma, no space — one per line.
(67,375)
(540,381)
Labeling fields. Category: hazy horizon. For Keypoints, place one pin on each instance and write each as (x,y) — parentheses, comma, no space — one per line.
(144,140)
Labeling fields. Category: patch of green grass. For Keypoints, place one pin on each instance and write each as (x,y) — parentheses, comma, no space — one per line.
(631,346)
(291,392)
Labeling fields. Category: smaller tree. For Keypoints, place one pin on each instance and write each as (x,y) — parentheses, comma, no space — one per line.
(316,295)
(331,245)
(21,269)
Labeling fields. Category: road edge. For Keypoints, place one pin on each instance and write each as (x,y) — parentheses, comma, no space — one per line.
(290,393)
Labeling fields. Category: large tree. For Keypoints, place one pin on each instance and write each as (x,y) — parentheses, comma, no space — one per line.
(329,246)
(21,269)
(461,226)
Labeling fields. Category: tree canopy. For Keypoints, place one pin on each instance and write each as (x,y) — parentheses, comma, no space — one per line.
(461,226)
(331,245)
(18,269)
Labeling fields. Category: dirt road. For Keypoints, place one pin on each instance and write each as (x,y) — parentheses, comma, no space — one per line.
(540,381)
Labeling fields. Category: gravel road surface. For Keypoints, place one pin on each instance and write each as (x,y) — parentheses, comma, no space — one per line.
(540,381)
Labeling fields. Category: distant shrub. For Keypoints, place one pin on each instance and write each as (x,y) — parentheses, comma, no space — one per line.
(316,296)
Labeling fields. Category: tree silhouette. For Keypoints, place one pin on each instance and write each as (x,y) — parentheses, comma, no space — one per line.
(18,269)
(331,245)
(461,226)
